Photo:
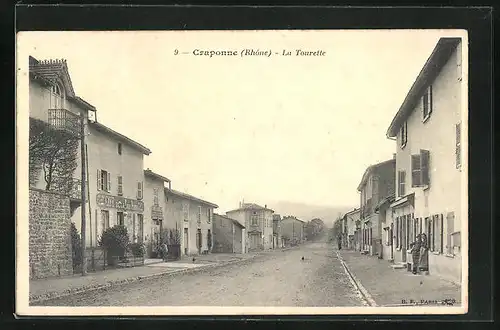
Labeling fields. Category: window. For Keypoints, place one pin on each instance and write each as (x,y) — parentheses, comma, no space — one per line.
(420,169)
(105,219)
(155,196)
(119,148)
(439,232)
(458,146)
(103,180)
(375,185)
(185,211)
(401,183)
(416,171)
(139,190)
(209,215)
(133,229)
(254,219)
(404,134)
(427,104)
(120,185)
(57,97)
(120,219)
(199,214)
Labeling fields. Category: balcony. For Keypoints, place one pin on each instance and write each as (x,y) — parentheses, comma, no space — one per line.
(65,120)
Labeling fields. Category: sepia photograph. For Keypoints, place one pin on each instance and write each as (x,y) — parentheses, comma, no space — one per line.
(242,172)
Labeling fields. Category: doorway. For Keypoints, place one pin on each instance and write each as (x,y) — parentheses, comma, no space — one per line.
(186,241)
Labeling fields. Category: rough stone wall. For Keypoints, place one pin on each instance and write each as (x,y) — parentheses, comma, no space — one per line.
(49,235)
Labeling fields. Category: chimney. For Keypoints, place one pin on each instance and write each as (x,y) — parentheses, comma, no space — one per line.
(393,156)
(265,206)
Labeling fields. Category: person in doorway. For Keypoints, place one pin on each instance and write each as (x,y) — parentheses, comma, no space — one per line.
(415,253)
(423,263)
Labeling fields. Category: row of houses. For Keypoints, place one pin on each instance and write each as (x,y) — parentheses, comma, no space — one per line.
(121,192)
(419,190)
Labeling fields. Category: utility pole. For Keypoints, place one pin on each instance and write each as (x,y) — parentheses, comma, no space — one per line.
(84,195)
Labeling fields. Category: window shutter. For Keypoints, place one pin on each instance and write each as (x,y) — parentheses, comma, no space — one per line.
(99,183)
(424,166)
(458,145)
(430,100)
(441,242)
(415,171)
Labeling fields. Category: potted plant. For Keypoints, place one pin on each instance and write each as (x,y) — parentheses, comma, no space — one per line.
(114,241)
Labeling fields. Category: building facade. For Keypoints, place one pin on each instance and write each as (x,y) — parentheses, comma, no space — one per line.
(192,217)
(54,109)
(115,176)
(292,230)
(229,235)
(258,222)
(154,211)
(277,239)
(349,222)
(431,134)
(376,184)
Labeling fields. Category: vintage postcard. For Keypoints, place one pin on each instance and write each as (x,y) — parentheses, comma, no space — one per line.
(242,172)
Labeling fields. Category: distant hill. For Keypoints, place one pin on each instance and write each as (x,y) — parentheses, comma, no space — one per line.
(308,212)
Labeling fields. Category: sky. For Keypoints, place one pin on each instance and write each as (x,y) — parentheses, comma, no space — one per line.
(262,129)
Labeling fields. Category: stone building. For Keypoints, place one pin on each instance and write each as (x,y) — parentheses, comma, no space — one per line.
(229,235)
(258,222)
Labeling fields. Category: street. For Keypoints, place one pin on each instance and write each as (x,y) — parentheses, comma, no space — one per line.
(280,278)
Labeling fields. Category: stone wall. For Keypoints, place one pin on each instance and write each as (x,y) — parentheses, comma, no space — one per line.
(49,235)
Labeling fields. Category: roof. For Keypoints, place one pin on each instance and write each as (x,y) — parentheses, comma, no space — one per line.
(370,169)
(106,130)
(290,217)
(352,211)
(56,71)
(190,197)
(432,67)
(385,201)
(152,174)
(250,206)
(236,222)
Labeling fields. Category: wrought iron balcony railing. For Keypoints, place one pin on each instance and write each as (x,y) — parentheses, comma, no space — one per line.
(62,119)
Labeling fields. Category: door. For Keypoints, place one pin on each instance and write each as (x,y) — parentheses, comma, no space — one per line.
(156,237)
(186,241)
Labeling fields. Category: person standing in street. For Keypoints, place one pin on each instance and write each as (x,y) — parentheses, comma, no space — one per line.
(415,253)
(339,241)
(165,251)
(423,263)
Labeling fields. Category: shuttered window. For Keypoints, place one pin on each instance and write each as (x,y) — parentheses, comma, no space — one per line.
(404,134)
(139,190)
(416,171)
(420,169)
(103,180)
(120,185)
(427,104)
(424,165)
(401,183)
(458,146)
